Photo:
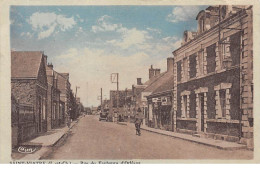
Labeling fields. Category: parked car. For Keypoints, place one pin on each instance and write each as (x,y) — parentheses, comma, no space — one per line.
(103,116)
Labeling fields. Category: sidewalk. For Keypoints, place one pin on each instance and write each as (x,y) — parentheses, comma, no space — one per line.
(45,142)
(205,141)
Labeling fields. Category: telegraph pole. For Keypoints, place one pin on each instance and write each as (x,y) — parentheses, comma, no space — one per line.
(101,101)
(117,88)
(117,95)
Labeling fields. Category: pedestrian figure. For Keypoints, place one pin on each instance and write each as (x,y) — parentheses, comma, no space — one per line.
(68,121)
(138,126)
(138,121)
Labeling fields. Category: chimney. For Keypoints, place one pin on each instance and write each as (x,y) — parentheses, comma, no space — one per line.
(50,65)
(139,81)
(157,71)
(153,72)
(45,59)
(170,62)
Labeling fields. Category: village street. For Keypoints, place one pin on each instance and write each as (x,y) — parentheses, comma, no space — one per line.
(94,139)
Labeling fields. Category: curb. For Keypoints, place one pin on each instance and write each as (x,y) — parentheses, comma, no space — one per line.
(198,142)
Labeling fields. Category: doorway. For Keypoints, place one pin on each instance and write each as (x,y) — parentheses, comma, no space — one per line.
(201,114)
(40,113)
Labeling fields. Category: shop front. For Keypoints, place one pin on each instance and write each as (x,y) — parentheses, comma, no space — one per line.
(160,116)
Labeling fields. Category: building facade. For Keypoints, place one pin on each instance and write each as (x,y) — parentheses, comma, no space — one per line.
(29,88)
(55,116)
(160,100)
(63,85)
(213,76)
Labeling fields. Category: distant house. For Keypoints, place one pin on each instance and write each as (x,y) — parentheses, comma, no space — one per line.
(64,87)
(160,99)
(29,87)
(56,116)
(122,94)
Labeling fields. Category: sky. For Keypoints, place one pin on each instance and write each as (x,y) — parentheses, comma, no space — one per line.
(91,42)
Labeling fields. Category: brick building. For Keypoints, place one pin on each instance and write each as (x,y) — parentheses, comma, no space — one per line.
(213,76)
(29,87)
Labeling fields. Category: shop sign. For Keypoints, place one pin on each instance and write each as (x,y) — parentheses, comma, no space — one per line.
(154,100)
(166,101)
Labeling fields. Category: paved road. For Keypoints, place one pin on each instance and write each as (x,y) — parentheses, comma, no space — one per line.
(91,139)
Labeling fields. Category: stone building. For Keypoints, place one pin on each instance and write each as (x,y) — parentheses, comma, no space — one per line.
(29,88)
(14,121)
(213,76)
(64,87)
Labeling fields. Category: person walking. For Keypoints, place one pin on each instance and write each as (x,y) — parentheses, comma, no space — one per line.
(138,121)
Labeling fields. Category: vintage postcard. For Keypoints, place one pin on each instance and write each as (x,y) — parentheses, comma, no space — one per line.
(129,83)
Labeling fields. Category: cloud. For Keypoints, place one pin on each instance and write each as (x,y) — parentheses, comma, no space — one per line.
(104,24)
(154,30)
(127,36)
(28,34)
(46,23)
(183,13)
(132,37)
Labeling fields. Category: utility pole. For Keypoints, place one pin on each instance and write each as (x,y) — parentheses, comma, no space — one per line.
(117,95)
(87,95)
(117,88)
(101,102)
(77,87)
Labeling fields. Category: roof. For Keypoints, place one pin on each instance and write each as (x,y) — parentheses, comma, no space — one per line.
(25,64)
(167,85)
(163,83)
(154,78)
(154,82)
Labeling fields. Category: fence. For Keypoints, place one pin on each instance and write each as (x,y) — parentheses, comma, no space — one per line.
(23,122)
(26,123)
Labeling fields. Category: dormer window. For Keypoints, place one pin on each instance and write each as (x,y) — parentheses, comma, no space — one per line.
(201,21)
(223,12)
(202,24)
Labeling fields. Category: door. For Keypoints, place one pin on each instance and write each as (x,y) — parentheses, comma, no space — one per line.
(40,113)
(201,111)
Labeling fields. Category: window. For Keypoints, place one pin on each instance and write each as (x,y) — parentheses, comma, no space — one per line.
(193,66)
(179,71)
(43,108)
(185,105)
(211,58)
(201,24)
(185,69)
(222,97)
(235,48)
(200,63)
(54,111)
